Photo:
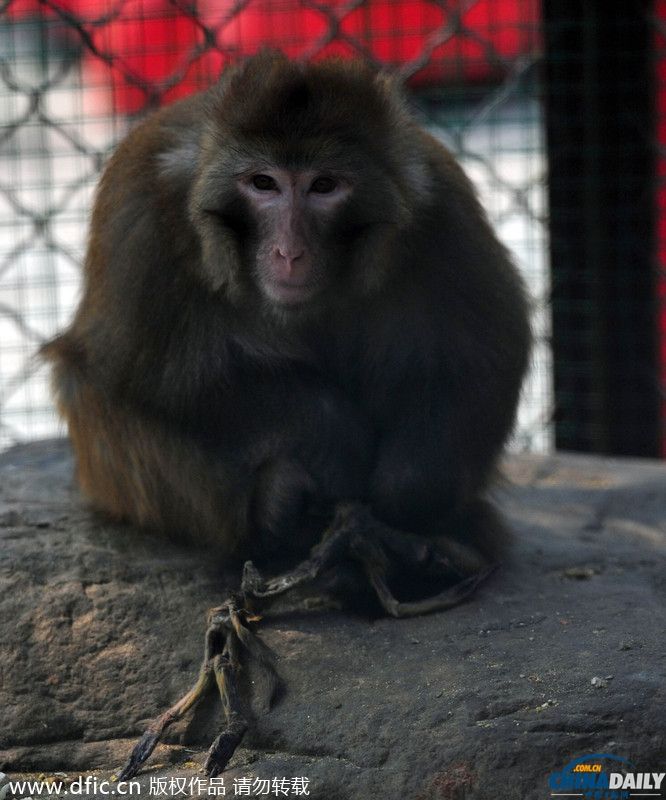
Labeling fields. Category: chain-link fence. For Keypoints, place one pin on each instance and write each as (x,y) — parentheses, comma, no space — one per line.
(75,74)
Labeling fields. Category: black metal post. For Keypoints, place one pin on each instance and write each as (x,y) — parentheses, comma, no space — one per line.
(599,93)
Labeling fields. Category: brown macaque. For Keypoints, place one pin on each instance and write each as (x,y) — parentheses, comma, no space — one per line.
(295,318)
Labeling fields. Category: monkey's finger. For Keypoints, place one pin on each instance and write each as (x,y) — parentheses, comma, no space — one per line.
(329,552)
(141,751)
(258,653)
(223,748)
(349,520)
(304,572)
(251,580)
(450,597)
(146,744)
(420,552)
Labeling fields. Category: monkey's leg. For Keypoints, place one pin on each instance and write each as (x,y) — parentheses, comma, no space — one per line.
(381,550)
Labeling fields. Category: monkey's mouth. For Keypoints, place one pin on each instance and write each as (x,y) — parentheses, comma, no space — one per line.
(290,293)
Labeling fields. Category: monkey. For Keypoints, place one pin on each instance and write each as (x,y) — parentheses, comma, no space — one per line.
(296,318)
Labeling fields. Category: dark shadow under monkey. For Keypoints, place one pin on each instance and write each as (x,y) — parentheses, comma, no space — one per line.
(295,318)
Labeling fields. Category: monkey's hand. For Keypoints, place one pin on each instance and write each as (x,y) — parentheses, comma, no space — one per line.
(386,555)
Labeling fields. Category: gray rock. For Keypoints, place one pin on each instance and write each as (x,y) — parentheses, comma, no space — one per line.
(562,653)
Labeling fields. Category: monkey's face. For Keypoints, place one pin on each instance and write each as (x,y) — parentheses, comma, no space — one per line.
(294,213)
(290,230)
(296,226)
(306,175)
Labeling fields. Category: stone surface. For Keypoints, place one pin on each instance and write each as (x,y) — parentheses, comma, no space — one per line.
(562,653)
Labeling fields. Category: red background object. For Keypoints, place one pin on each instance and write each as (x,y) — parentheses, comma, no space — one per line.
(151,51)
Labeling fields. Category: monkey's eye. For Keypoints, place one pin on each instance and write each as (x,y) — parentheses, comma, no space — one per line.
(323,185)
(264,183)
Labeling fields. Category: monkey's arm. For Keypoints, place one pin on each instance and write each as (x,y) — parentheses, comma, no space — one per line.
(451,353)
(235,470)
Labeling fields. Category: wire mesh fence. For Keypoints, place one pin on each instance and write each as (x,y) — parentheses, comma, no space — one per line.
(76,74)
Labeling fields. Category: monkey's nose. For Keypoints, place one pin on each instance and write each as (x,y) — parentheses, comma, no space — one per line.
(290,255)
(290,263)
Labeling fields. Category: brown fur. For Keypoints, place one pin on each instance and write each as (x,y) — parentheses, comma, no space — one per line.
(197,407)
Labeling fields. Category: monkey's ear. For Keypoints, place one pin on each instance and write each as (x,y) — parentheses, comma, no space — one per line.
(219,257)
(390,85)
(406,146)
(177,164)
(373,260)
(220,261)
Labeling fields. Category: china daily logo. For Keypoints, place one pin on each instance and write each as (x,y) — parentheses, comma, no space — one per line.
(602,776)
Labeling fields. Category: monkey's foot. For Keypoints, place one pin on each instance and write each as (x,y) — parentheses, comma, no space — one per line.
(386,554)
(230,643)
